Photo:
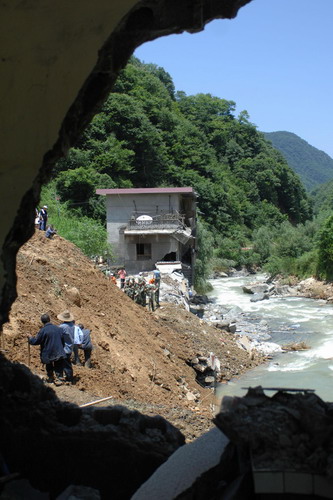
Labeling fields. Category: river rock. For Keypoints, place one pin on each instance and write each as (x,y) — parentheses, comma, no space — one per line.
(232,314)
(245,343)
(282,290)
(225,325)
(197,309)
(200,299)
(219,274)
(295,346)
(257,297)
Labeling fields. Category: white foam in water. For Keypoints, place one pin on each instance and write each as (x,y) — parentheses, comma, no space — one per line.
(292,318)
(294,366)
(324,351)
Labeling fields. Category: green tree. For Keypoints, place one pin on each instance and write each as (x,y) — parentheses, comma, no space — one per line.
(203,258)
(325,252)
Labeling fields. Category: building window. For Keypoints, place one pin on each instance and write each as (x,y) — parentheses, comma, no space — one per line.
(143,251)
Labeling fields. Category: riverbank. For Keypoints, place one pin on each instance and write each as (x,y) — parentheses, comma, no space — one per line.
(314,289)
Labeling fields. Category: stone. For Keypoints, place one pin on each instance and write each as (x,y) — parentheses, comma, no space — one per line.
(232,328)
(222,325)
(257,297)
(209,380)
(73,296)
(200,368)
(295,346)
(190,396)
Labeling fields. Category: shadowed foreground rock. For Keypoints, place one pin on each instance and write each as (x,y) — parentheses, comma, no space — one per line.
(56,444)
(279,447)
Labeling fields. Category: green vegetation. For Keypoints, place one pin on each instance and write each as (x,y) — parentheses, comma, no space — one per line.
(312,165)
(253,208)
(325,258)
(86,233)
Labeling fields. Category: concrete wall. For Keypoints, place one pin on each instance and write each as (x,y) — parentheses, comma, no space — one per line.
(160,245)
(120,209)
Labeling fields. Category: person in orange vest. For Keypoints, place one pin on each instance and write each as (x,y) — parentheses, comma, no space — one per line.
(113,279)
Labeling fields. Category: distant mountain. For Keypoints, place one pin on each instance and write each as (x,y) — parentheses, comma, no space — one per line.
(312,165)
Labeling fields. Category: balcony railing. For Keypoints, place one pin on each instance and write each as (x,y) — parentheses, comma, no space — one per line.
(165,221)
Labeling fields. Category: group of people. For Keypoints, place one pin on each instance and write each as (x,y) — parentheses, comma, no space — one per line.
(60,347)
(142,292)
(121,275)
(41,217)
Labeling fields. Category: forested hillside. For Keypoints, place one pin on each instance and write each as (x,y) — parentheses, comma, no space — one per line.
(323,197)
(147,134)
(312,165)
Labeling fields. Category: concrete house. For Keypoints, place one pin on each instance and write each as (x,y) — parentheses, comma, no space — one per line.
(152,225)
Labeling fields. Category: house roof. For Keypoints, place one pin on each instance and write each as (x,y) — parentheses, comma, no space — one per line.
(164,190)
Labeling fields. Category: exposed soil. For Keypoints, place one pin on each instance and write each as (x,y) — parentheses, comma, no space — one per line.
(139,358)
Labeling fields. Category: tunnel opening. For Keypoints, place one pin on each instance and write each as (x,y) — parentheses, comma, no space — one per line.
(34,420)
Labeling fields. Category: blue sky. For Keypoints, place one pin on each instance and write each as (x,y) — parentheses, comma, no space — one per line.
(275,60)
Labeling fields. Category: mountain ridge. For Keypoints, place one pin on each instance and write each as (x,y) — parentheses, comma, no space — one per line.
(312,165)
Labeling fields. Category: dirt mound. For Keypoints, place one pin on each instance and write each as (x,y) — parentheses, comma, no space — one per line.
(138,356)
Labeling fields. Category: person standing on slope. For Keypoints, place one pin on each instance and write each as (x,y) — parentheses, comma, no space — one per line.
(122,275)
(43,218)
(52,353)
(67,326)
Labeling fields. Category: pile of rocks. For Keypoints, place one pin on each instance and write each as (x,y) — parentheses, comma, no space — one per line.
(290,431)
(207,369)
(263,291)
(280,446)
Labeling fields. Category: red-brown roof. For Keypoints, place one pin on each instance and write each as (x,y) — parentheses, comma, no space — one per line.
(146,190)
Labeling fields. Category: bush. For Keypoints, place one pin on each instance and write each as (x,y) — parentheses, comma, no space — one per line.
(204,255)
(325,252)
(86,233)
(307,264)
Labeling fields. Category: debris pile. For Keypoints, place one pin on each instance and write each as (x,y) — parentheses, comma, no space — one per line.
(289,431)
(278,445)
(207,369)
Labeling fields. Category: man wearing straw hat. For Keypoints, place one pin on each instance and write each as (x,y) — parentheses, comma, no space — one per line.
(67,326)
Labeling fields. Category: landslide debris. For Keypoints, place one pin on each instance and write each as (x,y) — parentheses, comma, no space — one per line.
(139,358)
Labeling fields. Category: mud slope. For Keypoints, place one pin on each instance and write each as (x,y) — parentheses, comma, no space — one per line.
(138,355)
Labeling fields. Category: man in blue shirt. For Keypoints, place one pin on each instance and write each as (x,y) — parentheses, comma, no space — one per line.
(67,326)
(52,354)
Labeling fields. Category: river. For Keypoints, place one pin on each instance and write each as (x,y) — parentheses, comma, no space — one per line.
(282,320)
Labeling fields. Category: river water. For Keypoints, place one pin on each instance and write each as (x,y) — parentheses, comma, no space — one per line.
(281,320)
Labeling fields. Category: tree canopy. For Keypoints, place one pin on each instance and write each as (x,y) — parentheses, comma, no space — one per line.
(149,135)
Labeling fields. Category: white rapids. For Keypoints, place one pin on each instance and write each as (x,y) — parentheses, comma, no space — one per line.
(288,319)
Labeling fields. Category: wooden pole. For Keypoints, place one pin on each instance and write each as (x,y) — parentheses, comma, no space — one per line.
(96,402)
(28,354)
